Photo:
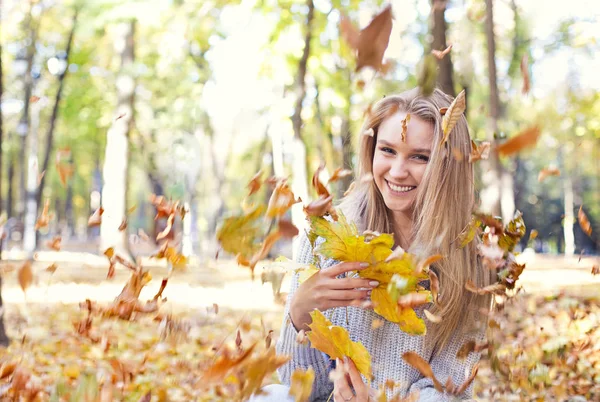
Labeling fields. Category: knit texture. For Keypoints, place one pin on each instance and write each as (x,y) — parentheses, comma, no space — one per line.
(385,344)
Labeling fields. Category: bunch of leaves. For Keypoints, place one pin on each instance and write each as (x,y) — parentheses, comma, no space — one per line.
(245,236)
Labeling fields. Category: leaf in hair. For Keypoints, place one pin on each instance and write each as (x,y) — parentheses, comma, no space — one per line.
(525,139)
(405,122)
(455,110)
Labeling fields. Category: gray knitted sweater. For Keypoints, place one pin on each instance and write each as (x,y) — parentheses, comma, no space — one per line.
(386,345)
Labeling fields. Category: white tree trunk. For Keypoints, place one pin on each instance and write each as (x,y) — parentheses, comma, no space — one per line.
(507,199)
(114,191)
(29,237)
(569,218)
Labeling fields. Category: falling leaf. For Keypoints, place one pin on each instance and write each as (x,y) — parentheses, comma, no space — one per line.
(167,229)
(335,342)
(468,233)
(545,172)
(470,346)
(301,384)
(584,222)
(405,122)
(439,54)
(240,234)
(455,111)
(432,317)
(25,275)
(262,253)
(479,152)
(51,268)
(287,229)
(523,140)
(495,288)
(301,337)
(372,41)
(255,183)
(423,367)
(468,381)
(596,270)
(123,224)
(533,234)
(414,299)
(96,218)
(369,133)
(44,218)
(427,77)
(317,185)
(350,188)
(55,243)
(398,253)
(525,73)
(281,200)
(320,206)
(434,285)
(34,99)
(429,261)
(40,177)
(338,174)
(443,110)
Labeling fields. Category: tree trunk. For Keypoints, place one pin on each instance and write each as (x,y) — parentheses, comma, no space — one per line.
(11,190)
(29,232)
(492,176)
(3,338)
(569,220)
(300,176)
(439,27)
(55,109)
(116,158)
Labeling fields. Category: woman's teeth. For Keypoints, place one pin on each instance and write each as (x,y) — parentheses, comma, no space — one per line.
(400,189)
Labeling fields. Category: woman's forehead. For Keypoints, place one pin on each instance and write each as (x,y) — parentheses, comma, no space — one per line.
(419,133)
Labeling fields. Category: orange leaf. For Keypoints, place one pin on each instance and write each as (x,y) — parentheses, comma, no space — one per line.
(44,218)
(495,288)
(54,244)
(52,268)
(584,222)
(123,225)
(255,183)
(96,218)
(34,99)
(439,54)
(321,189)
(545,172)
(405,122)
(423,367)
(479,152)
(281,200)
(25,275)
(287,229)
(338,174)
(525,73)
(521,141)
(168,228)
(320,206)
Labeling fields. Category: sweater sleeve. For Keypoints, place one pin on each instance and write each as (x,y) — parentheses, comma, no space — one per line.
(445,364)
(302,356)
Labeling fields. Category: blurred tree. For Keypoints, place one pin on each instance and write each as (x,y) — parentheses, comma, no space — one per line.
(3,338)
(445,79)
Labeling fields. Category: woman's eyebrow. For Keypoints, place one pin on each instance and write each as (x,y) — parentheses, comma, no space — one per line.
(384,142)
(422,150)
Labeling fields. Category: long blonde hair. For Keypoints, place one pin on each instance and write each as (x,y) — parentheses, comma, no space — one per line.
(443,206)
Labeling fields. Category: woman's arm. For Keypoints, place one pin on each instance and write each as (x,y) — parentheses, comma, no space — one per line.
(302,356)
(445,364)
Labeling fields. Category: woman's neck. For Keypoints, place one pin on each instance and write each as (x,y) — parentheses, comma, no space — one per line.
(402,230)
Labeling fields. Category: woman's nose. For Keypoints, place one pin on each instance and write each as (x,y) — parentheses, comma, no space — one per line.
(399,169)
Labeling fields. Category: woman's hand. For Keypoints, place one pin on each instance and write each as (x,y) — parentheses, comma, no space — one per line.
(324,290)
(349,386)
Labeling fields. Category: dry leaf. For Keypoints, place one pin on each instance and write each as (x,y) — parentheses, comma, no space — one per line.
(533,234)
(301,384)
(525,73)
(468,381)
(521,141)
(470,346)
(414,299)
(429,261)
(545,172)
(495,288)
(423,367)
(596,270)
(455,111)
(479,152)
(25,275)
(443,110)
(55,243)
(319,207)
(281,200)
(123,225)
(338,174)
(405,122)
(44,218)
(335,342)
(321,189)
(96,218)
(167,230)
(34,99)
(584,222)
(434,285)
(287,229)
(255,183)
(52,268)
(439,54)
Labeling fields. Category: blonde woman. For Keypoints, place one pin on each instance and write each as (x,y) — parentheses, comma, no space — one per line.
(424,196)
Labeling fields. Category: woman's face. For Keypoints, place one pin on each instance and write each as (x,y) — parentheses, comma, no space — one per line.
(398,166)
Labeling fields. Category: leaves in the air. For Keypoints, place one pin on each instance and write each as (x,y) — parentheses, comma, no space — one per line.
(177,260)
(301,384)
(123,224)
(423,367)
(25,275)
(546,172)
(525,74)
(584,222)
(318,185)
(440,54)
(320,207)
(496,288)
(281,200)
(434,285)
(55,243)
(455,111)
(338,174)
(239,234)
(405,122)
(287,229)
(469,232)
(51,268)
(596,269)
(255,183)
(64,167)
(427,77)
(336,343)
(479,152)
(44,218)
(372,41)
(525,139)
(168,227)
(96,218)
(470,346)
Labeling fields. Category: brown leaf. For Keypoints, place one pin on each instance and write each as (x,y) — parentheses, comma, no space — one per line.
(428,261)
(301,337)
(468,381)
(123,225)
(521,141)
(443,110)
(525,73)
(55,243)
(495,288)
(596,270)
(470,346)
(52,268)
(255,183)
(423,367)
(584,222)
(434,284)
(44,218)
(34,99)
(321,189)
(167,229)
(96,218)
(319,207)
(25,275)
(545,172)
(287,229)
(7,368)
(372,41)
(451,117)
(338,174)
(440,54)
(479,152)
(269,339)
(405,122)
(281,200)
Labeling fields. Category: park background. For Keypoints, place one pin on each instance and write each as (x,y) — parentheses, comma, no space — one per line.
(107,102)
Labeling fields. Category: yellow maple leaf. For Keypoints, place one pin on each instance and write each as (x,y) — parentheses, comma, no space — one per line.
(335,342)
(301,384)
(238,234)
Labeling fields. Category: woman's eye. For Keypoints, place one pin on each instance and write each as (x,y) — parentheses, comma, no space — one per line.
(387,150)
(423,158)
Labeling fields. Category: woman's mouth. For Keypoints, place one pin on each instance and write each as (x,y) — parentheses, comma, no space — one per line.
(399,189)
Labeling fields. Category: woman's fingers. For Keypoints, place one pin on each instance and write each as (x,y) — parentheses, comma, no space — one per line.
(348,294)
(343,267)
(353,283)
(362,392)
(341,388)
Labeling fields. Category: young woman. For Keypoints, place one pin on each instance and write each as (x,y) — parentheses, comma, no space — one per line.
(423,195)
